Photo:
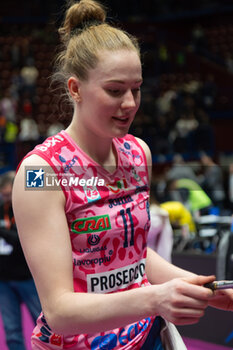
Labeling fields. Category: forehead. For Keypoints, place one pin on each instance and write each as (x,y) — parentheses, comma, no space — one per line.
(117,65)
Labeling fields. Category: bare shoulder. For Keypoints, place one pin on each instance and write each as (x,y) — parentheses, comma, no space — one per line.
(32,198)
(146,149)
(34,161)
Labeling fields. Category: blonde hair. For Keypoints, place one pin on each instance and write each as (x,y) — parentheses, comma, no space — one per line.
(84,34)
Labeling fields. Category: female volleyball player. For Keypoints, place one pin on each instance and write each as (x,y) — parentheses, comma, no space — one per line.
(85,240)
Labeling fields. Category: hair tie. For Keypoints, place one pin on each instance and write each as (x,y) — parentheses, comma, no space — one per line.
(84,25)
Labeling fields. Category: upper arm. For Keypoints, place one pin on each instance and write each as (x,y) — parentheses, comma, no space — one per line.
(148,156)
(159,270)
(44,235)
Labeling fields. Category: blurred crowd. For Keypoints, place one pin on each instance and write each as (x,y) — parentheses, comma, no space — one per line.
(26,111)
(195,198)
(175,113)
(177,121)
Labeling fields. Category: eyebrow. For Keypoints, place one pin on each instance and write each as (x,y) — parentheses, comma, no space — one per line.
(123,82)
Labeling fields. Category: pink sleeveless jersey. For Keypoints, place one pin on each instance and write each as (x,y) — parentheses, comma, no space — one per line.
(108,218)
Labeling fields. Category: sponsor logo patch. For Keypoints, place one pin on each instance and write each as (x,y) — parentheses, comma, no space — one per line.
(113,280)
(118,185)
(93,239)
(52,141)
(92,194)
(91,224)
(119,201)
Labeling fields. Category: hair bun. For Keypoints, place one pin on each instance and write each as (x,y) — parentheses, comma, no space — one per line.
(80,15)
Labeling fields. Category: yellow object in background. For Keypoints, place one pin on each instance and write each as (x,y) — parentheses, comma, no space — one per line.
(179,214)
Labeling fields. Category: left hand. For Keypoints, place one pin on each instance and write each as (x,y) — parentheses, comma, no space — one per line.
(222,299)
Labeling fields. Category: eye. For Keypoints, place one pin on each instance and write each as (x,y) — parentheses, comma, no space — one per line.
(115,92)
(136,91)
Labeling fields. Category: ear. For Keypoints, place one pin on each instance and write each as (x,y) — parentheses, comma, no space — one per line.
(73,86)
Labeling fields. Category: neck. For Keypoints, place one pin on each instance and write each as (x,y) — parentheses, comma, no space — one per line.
(99,149)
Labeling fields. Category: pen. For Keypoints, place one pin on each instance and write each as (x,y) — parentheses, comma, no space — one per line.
(219,285)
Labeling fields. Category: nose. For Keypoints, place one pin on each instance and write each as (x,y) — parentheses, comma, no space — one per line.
(129,100)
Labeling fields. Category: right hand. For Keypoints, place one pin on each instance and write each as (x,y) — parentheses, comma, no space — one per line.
(183,300)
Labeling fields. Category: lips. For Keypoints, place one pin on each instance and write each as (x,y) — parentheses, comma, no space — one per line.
(123,120)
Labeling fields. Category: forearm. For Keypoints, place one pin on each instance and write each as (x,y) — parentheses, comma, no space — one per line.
(78,313)
(181,301)
(159,270)
(74,313)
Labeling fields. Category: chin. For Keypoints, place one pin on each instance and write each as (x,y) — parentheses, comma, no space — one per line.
(121,133)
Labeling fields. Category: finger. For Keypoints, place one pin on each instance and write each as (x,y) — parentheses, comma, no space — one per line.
(195,303)
(194,291)
(201,293)
(201,280)
(185,321)
(188,313)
